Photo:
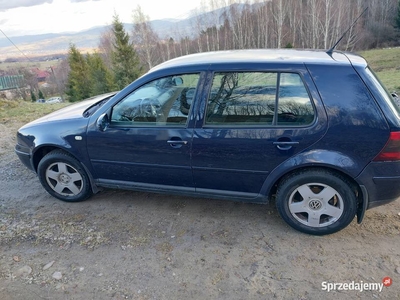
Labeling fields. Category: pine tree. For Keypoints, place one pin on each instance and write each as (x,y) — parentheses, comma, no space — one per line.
(33,97)
(398,16)
(79,81)
(125,61)
(41,96)
(102,80)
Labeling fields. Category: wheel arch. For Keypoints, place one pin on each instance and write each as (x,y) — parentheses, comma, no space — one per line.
(300,169)
(270,186)
(41,151)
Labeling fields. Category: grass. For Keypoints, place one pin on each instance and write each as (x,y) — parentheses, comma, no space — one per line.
(14,114)
(24,111)
(386,64)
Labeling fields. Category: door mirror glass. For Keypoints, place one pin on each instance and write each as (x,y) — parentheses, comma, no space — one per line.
(103,122)
(177,81)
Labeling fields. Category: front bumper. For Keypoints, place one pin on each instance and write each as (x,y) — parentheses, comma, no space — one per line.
(24,156)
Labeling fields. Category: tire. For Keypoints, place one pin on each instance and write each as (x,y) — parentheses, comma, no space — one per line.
(316,202)
(64,177)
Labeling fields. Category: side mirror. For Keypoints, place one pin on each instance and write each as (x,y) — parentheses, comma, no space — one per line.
(103,122)
(177,81)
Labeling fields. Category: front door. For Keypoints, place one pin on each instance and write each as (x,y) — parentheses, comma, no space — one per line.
(148,141)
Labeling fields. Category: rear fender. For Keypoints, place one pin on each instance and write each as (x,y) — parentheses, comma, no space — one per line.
(311,159)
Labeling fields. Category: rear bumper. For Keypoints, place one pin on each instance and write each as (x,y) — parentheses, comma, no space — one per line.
(381,181)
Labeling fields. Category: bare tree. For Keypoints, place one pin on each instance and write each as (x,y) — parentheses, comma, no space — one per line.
(144,38)
(239,24)
(294,20)
(279,11)
(106,46)
(328,21)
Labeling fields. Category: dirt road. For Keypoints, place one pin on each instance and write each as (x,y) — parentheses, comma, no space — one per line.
(130,245)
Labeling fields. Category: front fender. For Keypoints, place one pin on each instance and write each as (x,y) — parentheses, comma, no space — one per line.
(58,135)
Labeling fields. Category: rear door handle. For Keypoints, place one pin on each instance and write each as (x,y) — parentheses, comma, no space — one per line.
(285,145)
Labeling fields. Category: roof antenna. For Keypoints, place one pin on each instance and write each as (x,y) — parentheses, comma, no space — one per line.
(330,51)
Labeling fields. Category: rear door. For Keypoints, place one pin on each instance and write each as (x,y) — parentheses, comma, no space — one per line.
(250,123)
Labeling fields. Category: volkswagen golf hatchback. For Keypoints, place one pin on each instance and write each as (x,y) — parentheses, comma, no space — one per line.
(313,130)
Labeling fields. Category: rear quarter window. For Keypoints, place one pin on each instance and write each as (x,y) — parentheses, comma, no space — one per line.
(383,91)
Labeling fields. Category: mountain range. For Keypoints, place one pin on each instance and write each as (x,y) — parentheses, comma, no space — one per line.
(51,44)
(86,40)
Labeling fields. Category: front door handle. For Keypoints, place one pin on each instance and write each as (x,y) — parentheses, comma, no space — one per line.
(285,145)
(176,143)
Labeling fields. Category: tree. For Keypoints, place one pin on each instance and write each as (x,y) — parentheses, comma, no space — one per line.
(30,78)
(106,47)
(33,97)
(58,78)
(79,80)
(41,96)
(144,37)
(101,77)
(279,10)
(125,61)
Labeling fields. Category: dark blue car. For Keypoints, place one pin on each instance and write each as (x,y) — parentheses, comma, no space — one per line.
(314,131)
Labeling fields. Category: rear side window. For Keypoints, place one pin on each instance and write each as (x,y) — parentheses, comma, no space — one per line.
(383,92)
(259,98)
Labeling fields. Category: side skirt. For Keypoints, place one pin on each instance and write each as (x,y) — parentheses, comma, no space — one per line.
(184,191)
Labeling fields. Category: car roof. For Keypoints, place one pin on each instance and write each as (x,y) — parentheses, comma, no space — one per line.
(262,56)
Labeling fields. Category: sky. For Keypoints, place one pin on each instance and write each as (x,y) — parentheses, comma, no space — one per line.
(25,17)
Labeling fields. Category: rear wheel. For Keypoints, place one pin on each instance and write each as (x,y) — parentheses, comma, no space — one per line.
(316,201)
(64,177)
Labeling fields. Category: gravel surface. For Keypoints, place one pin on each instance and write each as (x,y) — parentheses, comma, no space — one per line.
(131,245)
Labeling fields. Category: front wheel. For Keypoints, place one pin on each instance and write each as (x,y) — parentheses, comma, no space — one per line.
(64,177)
(316,201)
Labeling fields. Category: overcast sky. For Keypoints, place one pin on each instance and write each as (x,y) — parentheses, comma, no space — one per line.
(23,17)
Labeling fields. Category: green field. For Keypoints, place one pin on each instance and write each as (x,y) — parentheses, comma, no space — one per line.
(386,64)
(42,65)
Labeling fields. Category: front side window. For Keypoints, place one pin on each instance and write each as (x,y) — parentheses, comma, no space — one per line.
(259,98)
(165,101)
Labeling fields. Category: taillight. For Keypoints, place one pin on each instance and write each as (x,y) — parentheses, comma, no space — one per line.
(391,151)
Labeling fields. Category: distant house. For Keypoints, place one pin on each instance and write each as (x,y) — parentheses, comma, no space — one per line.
(41,76)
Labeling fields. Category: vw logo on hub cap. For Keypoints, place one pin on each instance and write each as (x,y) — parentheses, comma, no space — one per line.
(315,204)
